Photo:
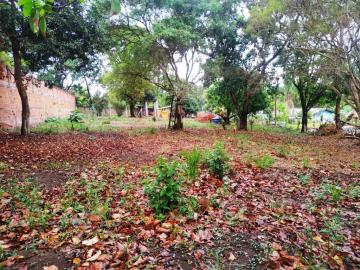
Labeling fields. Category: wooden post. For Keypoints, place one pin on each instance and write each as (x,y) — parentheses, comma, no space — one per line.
(146,109)
(156,109)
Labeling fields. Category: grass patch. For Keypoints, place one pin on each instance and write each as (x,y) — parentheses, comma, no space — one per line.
(264,162)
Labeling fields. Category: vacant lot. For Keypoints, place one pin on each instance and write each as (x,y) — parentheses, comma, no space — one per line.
(77,200)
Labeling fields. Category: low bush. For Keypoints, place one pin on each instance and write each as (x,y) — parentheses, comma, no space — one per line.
(216,160)
(164,193)
(75,117)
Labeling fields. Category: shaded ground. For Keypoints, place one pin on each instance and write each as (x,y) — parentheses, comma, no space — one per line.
(303,211)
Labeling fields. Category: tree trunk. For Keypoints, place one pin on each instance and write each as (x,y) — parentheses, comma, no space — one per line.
(25,108)
(178,116)
(304,120)
(242,121)
(275,109)
(132,110)
(337,112)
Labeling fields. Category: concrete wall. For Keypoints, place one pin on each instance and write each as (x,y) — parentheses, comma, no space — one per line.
(44,103)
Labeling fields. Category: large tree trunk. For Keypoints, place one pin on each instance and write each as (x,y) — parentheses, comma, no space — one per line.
(304,120)
(242,121)
(25,108)
(178,115)
(132,109)
(337,113)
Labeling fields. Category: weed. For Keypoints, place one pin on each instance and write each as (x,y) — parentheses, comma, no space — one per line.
(192,161)
(283,151)
(164,193)
(3,166)
(29,196)
(304,178)
(355,165)
(150,130)
(305,162)
(332,228)
(264,162)
(330,192)
(216,160)
(188,206)
(352,191)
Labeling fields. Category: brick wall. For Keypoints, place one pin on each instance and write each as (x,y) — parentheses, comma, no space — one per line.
(44,103)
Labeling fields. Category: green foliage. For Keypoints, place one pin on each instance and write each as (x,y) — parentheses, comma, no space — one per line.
(100,103)
(332,227)
(75,117)
(283,151)
(192,161)
(330,192)
(264,162)
(3,166)
(353,191)
(164,193)
(305,162)
(29,196)
(304,179)
(216,160)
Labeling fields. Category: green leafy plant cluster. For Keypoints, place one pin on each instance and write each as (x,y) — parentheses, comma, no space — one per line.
(75,117)
(192,159)
(216,160)
(264,162)
(28,195)
(330,192)
(164,193)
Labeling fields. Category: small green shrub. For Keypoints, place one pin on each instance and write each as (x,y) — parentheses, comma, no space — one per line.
(216,160)
(164,193)
(264,162)
(192,161)
(75,117)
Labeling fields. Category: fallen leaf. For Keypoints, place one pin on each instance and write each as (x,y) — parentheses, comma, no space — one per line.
(231,257)
(91,241)
(76,261)
(76,240)
(94,257)
(51,267)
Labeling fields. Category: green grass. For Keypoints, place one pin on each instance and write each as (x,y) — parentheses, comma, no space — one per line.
(113,123)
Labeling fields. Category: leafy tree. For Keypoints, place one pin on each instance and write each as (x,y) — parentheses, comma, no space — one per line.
(331,30)
(127,80)
(303,72)
(71,35)
(166,34)
(100,103)
(241,51)
(194,102)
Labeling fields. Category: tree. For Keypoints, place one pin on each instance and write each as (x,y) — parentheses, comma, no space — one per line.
(241,50)
(100,103)
(128,78)
(331,29)
(304,73)
(71,35)
(166,33)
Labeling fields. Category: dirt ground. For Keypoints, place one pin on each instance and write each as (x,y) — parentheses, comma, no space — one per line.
(254,219)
